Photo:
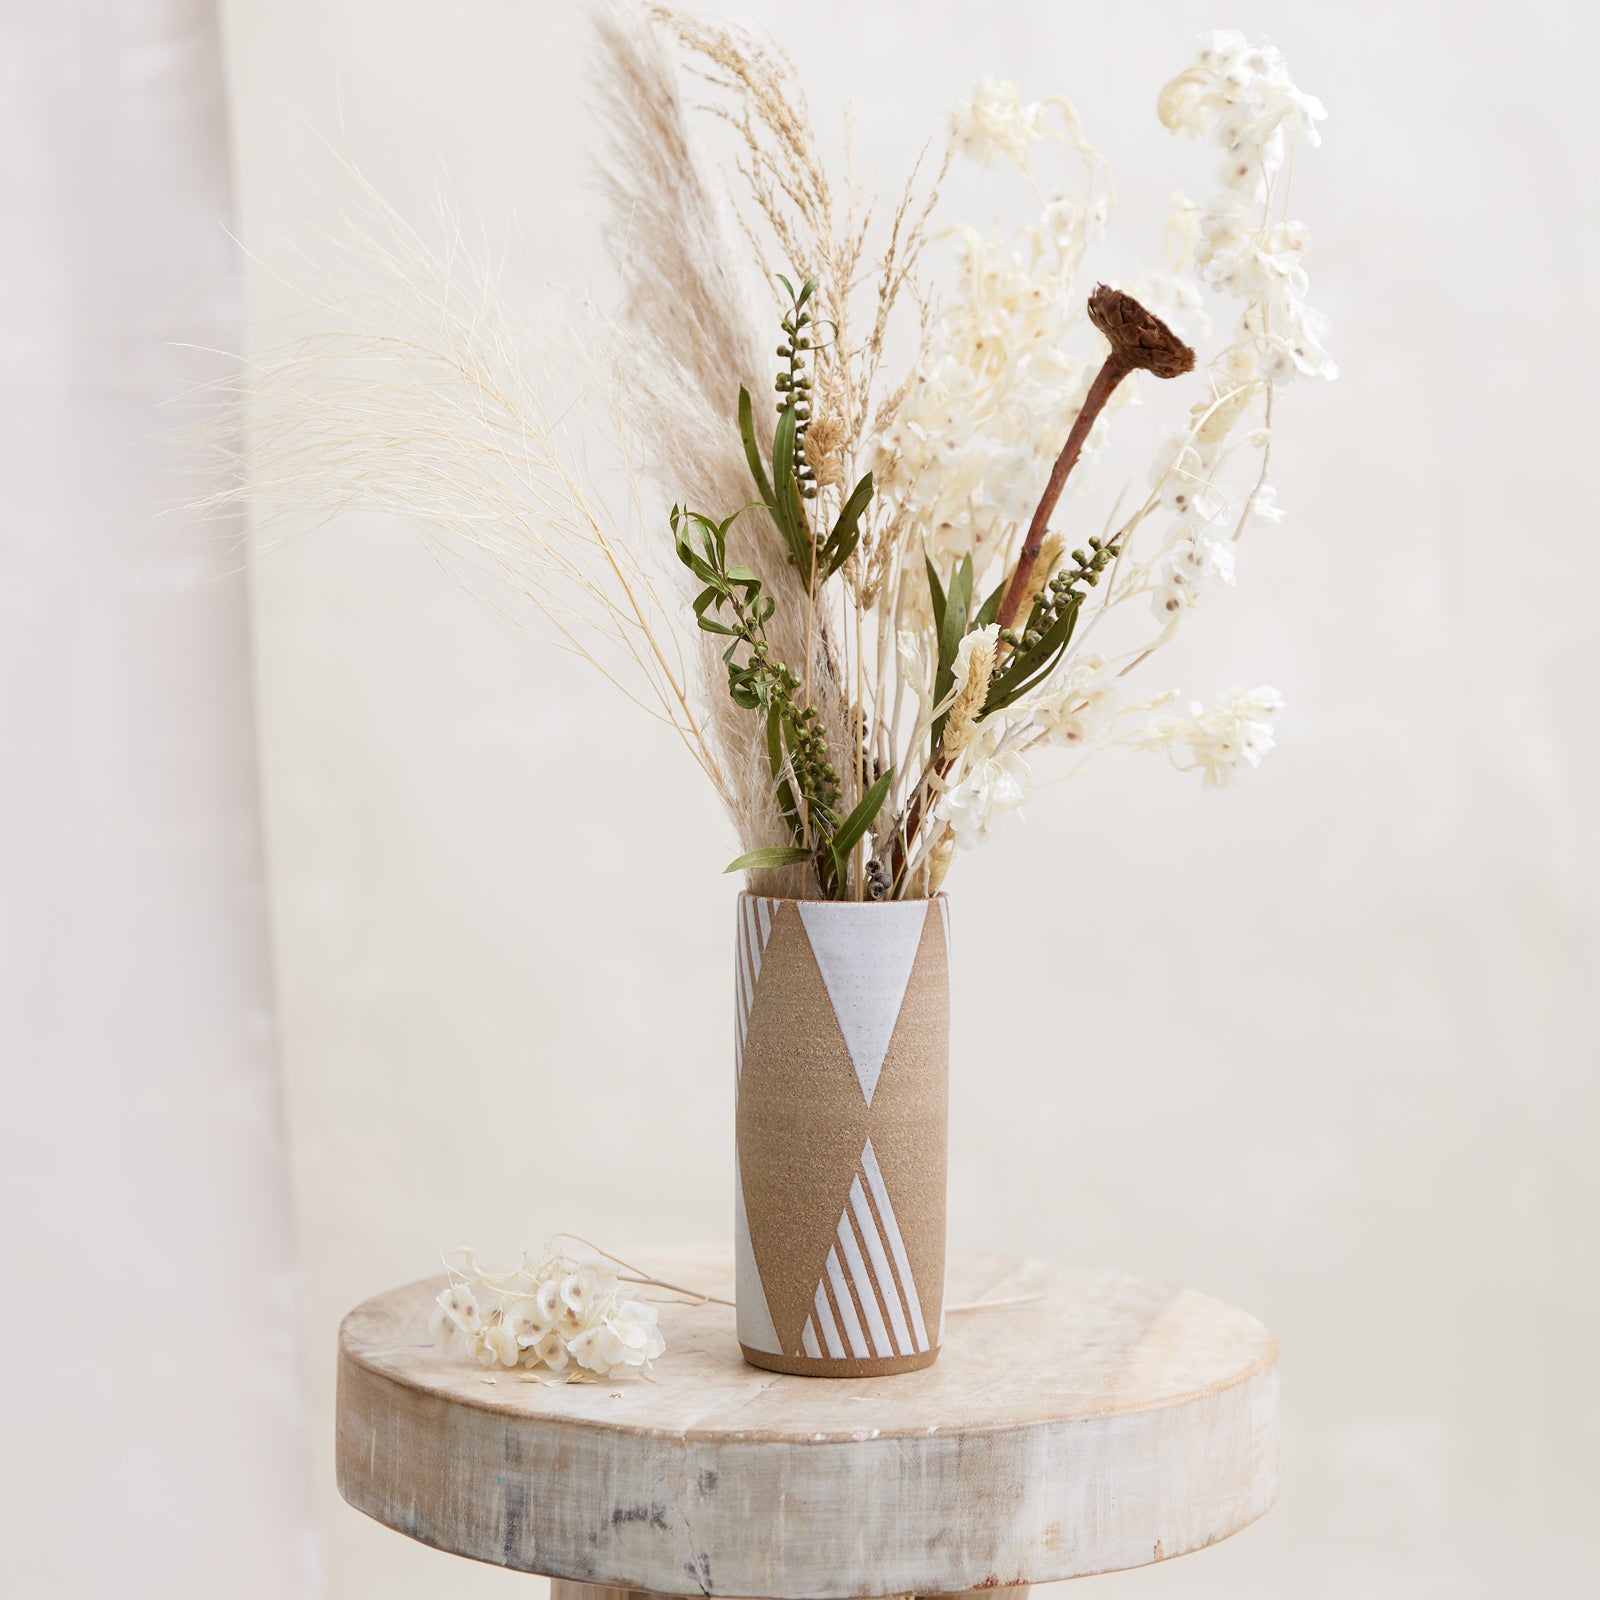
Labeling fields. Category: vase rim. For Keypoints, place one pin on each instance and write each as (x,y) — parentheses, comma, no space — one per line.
(862,905)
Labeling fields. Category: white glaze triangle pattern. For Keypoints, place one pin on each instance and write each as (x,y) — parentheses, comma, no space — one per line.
(754,1319)
(866,964)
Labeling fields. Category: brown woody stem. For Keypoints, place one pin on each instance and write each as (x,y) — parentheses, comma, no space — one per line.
(1139,341)
(1114,370)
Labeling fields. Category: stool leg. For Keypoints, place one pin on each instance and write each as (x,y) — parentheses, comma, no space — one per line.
(562,1589)
(1018,1593)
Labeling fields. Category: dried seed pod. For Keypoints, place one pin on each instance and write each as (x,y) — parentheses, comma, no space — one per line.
(1139,337)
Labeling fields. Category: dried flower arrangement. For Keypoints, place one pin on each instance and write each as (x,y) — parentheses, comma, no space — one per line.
(881,627)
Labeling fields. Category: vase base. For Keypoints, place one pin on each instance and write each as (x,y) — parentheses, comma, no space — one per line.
(840,1367)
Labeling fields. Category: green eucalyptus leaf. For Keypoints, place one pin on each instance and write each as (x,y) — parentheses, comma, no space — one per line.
(849,832)
(1028,668)
(772,855)
(752,451)
(835,872)
(960,594)
(846,533)
(788,506)
(791,812)
(701,569)
(936,590)
(990,609)
(953,627)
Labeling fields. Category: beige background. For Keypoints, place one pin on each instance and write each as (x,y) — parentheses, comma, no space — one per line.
(1321,1046)
(152,1427)
(1318,1046)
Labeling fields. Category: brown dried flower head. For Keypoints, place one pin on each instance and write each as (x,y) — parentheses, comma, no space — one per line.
(1138,336)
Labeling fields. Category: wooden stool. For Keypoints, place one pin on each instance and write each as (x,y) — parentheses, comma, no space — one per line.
(1096,1422)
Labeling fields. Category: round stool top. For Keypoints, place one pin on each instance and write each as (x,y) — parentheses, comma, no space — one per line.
(1093,1423)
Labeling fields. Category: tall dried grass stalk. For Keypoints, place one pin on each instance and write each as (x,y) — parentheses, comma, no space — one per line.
(815,233)
(693,340)
(809,229)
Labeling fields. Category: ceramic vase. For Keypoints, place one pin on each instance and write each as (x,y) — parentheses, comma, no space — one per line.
(841,1051)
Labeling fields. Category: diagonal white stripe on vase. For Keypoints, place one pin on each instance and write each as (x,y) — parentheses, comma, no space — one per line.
(743,995)
(808,1341)
(741,1002)
(866,1289)
(865,957)
(882,1271)
(825,1321)
(754,920)
(752,941)
(755,942)
(760,925)
(753,1318)
(944,914)
(897,1245)
(847,1308)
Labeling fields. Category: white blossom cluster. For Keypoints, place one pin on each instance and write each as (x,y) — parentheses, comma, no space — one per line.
(989,782)
(1235,733)
(1241,97)
(555,1314)
(1079,705)
(994,396)
(1006,373)
(993,779)
(996,121)
(1199,545)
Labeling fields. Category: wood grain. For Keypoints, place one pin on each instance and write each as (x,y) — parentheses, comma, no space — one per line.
(1106,1424)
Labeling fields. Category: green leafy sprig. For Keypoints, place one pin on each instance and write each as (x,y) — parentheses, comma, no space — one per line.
(1031,655)
(732,603)
(791,483)
(1036,650)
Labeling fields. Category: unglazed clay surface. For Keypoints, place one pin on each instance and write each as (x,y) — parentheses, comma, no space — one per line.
(842,1046)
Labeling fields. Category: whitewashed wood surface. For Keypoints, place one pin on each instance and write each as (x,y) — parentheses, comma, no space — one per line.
(1109,1423)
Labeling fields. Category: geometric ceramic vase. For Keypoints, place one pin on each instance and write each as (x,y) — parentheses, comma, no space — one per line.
(841,1047)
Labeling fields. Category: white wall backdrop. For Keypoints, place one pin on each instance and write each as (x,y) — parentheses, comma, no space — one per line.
(152,1438)
(1322,1045)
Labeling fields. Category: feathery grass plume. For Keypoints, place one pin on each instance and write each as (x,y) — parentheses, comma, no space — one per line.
(415,393)
(759,95)
(670,233)
(693,341)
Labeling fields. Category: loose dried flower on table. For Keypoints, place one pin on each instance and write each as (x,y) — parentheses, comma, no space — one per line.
(867,612)
(553,1314)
